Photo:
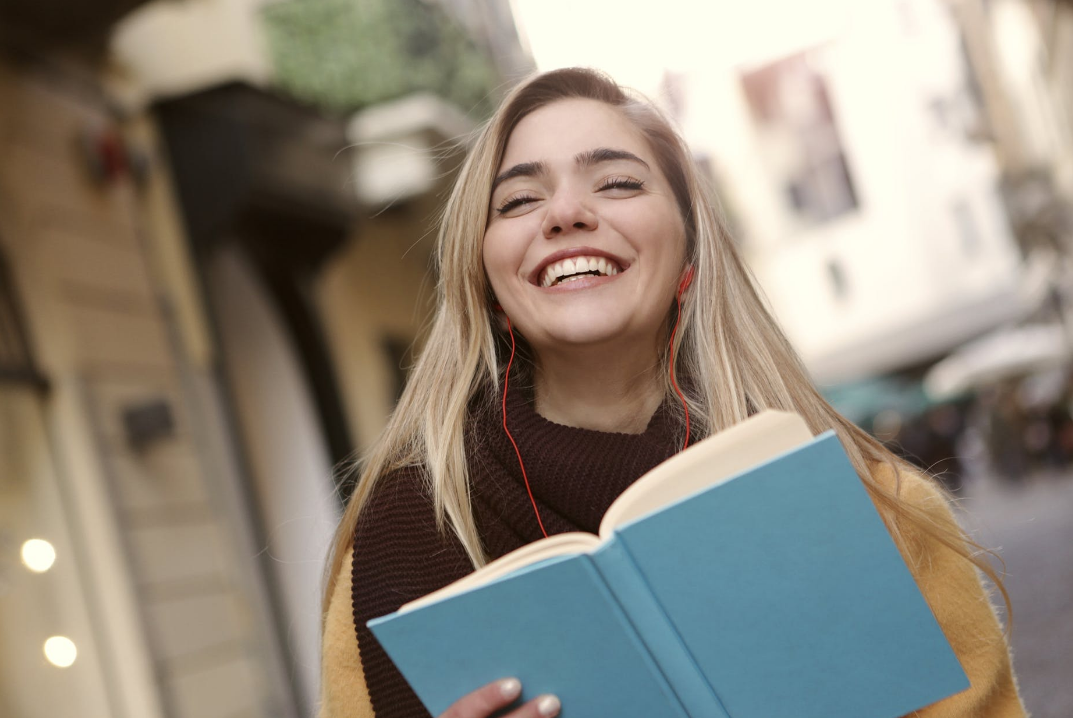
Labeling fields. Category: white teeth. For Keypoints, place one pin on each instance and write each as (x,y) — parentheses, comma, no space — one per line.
(575,268)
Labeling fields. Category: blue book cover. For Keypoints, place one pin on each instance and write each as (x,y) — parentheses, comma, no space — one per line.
(776,593)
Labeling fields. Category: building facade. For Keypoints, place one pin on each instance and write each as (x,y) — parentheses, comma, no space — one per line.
(869,202)
(200,318)
(122,462)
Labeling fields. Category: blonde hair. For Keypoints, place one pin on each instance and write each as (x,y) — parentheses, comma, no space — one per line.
(729,345)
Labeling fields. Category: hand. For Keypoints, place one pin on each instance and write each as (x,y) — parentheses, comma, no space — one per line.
(485,702)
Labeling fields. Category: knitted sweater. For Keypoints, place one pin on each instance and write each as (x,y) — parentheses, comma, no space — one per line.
(575,475)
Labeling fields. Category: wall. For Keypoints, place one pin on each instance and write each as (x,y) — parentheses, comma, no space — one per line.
(178,613)
(37,606)
(289,464)
(380,288)
(926,258)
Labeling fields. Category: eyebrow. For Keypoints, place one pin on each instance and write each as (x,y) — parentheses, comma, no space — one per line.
(525,169)
(583,159)
(606,154)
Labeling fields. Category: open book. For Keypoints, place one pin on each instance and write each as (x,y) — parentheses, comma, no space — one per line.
(749,576)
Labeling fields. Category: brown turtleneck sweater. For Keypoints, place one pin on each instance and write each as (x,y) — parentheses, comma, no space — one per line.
(399,555)
(575,474)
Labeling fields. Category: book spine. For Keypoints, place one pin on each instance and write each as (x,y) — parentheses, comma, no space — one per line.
(643,610)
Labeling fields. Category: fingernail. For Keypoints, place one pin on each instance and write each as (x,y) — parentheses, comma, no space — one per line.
(548,706)
(511,688)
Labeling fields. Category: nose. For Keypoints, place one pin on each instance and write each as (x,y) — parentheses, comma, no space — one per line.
(567,211)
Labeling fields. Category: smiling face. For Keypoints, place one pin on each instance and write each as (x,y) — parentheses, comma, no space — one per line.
(585,244)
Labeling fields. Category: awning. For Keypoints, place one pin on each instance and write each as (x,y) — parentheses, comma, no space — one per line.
(1004,354)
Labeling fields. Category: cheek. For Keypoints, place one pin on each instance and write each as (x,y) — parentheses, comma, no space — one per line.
(677,250)
(654,226)
(501,255)
(664,241)
(498,260)
(672,257)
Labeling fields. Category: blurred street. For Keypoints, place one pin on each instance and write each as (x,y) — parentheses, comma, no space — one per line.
(217,224)
(1028,523)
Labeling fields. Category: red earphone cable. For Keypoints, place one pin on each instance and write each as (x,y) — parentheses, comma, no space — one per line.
(674,381)
(506,381)
(506,384)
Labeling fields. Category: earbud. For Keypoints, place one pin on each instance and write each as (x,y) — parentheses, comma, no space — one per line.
(687,279)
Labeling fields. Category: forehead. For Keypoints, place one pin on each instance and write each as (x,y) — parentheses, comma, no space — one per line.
(566,127)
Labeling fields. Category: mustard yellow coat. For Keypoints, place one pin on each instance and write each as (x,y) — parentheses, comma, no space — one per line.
(950,584)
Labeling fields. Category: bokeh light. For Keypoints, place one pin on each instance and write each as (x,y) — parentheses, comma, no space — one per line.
(60,651)
(38,555)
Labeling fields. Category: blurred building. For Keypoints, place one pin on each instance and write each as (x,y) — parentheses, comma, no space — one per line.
(213,261)
(869,202)
(1021,54)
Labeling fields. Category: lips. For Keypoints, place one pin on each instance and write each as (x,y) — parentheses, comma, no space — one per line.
(575,264)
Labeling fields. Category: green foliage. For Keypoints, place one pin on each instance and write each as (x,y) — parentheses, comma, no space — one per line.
(345,54)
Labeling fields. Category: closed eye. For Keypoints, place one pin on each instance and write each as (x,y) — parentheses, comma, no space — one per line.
(515,202)
(627,183)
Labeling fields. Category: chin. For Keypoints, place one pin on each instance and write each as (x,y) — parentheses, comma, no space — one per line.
(580,333)
(579,339)
(588,324)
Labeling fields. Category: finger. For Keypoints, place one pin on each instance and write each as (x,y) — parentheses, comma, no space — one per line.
(545,706)
(486,700)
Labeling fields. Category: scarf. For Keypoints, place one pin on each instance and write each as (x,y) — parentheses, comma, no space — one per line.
(400,555)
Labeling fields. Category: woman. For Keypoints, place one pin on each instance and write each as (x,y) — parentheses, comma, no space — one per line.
(580,233)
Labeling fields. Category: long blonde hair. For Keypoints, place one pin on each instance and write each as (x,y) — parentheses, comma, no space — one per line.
(729,345)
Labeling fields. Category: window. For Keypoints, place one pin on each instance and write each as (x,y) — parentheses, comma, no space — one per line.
(839,282)
(49,659)
(800,142)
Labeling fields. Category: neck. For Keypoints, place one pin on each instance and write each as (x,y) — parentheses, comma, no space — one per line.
(593,390)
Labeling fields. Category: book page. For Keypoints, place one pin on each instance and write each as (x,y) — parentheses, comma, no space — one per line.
(557,545)
(707,463)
